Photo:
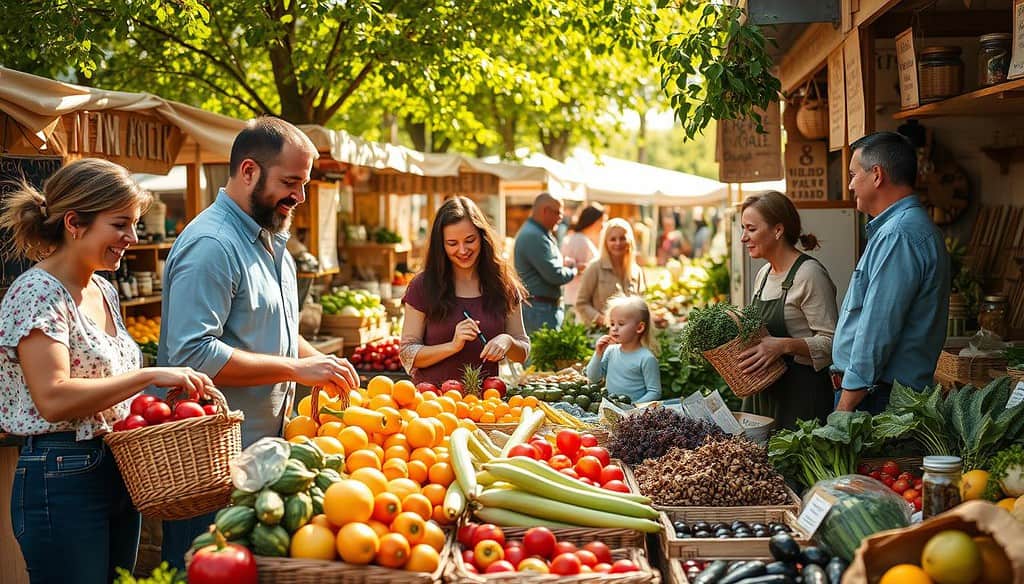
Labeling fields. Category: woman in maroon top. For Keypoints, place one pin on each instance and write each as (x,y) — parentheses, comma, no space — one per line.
(464,308)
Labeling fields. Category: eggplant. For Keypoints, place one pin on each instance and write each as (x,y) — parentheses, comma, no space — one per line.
(703,535)
(760,533)
(701,526)
(814,574)
(814,555)
(681,527)
(761,526)
(722,530)
(784,548)
(745,571)
(739,525)
(835,569)
(718,526)
(784,568)
(768,579)
(712,573)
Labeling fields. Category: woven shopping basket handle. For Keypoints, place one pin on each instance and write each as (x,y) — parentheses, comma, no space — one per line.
(314,401)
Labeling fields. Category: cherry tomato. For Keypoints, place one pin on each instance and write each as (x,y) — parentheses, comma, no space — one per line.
(611,472)
(568,442)
(891,468)
(587,440)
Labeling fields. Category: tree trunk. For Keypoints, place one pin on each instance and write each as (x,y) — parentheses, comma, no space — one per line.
(641,139)
(294,108)
(556,144)
(418,132)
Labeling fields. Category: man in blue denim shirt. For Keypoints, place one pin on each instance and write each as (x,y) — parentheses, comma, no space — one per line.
(541,266)
(893,322)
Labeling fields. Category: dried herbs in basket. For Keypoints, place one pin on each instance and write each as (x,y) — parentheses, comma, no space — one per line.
(655,430)
(713,326)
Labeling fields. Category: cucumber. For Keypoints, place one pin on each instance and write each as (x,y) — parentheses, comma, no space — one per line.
(269,507)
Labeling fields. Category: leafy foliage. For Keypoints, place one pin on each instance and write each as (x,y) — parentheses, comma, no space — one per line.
(162,574)
(570,342)
(813,452)
(681,374)
(714,325)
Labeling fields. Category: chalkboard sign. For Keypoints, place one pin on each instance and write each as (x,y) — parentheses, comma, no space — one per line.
(13,169)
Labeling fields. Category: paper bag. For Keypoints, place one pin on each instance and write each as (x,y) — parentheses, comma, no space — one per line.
(882,551)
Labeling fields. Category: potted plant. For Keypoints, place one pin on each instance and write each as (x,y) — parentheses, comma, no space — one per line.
(554,349)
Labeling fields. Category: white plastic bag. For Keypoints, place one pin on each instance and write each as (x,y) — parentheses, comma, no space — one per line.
(260,464)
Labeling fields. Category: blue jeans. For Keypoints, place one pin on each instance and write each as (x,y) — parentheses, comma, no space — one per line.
(541,313)
(178,536)
(71,512)
(874,403)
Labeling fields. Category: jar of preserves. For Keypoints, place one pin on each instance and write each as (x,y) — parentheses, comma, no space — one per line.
(940,484)
(992,316)
(993,58)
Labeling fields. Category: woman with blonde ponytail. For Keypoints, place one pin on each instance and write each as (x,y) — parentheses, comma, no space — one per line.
(798,304)
(69,370)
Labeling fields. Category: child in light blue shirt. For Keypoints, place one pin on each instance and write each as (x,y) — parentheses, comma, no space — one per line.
(626,358)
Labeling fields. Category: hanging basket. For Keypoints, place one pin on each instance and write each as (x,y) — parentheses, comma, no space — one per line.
(812,116)
(726,360)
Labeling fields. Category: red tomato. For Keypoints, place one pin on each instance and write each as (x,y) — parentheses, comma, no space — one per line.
(917,504)
(602,568)
(569,472)
(875,474)
(500,566)
(560,461)
(222,563)
(157,413)
(523,450)
(543,448)
(888,481)
(488,531)
(590,467)
(539,541)
(533,565)
(900,486)
(566,565)
(611,472)
(891,468)
(565,547)
(141,402)
(210,409)
(598,453)
(617,486)
(135,421)
(487,552)
(119,425)
(587,481)
(863,469)
(587,557)
(601,550)
(906,476)
(568,442)
(465,534)
(515,554)
(469,557)
(622,566)
(587,440)
(910,494)
(188,409)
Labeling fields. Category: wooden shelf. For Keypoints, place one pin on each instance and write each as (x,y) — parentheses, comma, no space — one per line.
(1003,155)
(1002,99)
(145,246)
(395,247)
(320,274)
(141,300)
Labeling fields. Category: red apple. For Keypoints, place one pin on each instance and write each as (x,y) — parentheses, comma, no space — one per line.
(500,566)
(601,550)
(495,383)
(488,531)
(452,384)
(515,554)
(465,534)
(424,386)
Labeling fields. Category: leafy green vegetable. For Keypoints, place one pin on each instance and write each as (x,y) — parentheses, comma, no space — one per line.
(681,374)
(1006,473)
(570,342)
(162,574)
(813,453)
(714,325)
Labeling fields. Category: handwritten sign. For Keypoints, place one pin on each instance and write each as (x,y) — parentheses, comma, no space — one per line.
(138,142)
(1017,60)
(907,62)
(747,155)
(856,121)
(806,171)
(836,101)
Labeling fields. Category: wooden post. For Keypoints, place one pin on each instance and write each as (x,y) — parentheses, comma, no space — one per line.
(193,195)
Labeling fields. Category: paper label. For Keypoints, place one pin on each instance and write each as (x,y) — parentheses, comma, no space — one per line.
(1017,396)
(814,513)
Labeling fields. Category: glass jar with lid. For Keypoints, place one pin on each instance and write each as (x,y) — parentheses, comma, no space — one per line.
(993,58)
(992,316)
(940,484)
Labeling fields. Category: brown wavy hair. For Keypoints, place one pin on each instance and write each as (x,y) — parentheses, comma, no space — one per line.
(777,208)
(499,285)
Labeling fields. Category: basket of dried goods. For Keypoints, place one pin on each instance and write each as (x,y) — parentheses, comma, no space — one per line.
(174,454)
(720,333)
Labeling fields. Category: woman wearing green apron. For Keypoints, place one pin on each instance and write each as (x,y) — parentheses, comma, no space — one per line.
(798,304)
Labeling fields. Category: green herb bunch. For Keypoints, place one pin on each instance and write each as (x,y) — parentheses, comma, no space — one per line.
(713,326)
(568,342)
(813,452)
(162,574)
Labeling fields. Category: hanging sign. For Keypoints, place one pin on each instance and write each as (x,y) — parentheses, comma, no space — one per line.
(1017,59)
(906,58)
(747,155)
(806,171)
(836,101)
(138,142)
(855,109)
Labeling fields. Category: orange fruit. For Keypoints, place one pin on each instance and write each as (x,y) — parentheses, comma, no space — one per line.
(450,422)
(506,419)
(441,473)
(404,393)
(403,487)
(905,574)
(420,433)
(378,451)
(386,506)
(419,504)
(304,405)
(372,478)
(393,551)
(468,424)
(330,444)
(461,410)
(501,409)
(314,542)
(355,398)
(447,404)
(360,459)
(530,400)
(357,543)
(470,399)
(488,418)
(377,438)
(300,439)
(439,516)
(492,393)
(353,438)
(476,412)
(428,395)
(380,385)
(381,529)
(408,414)
(429,409)
(395,468)
(516,412)
(454,395)
(397,451)
(348,501)
(411,526)
(381,401)
(300,426)
(322,520)
(418,471)
(435,493)
(442,454)
(398,439)
(516,400)
(433,535)
(423,558)
(426,455)
(331,429)
(439,433)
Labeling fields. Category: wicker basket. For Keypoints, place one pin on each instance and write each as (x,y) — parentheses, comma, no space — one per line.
(725,360)
(812,116)
(942,73)
(1016,376)
(179,470)
(974,370)
(694,548)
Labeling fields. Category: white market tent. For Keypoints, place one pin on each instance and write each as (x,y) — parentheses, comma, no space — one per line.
(614,180)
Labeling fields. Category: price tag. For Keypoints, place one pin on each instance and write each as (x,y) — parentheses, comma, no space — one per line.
(1017,396)
(814,512)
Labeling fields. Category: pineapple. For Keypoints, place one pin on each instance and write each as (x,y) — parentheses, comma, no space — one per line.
(471,378)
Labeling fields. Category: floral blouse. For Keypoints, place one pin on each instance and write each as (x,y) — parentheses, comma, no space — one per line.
(38,300)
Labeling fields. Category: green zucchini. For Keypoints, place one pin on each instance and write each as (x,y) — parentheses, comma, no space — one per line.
(298,509)
(236,521)
(270,540)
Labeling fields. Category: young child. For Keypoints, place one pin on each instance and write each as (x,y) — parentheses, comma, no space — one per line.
(627,357)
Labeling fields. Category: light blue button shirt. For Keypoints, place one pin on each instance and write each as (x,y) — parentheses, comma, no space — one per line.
(893,321)
(224,290)
(634,374)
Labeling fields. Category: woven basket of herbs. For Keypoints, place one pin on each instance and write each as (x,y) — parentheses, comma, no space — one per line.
(720,333)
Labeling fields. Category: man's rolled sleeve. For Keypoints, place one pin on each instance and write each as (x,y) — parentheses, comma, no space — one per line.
(201,288)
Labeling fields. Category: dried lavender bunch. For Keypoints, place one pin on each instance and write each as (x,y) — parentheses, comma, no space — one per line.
(655,430)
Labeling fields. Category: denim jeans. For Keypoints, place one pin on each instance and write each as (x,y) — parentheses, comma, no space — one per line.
(178,536)
(71,512)
(874,403)
(541,313)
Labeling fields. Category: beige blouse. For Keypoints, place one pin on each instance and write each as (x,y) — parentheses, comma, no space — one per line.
(599,283)
(811,312)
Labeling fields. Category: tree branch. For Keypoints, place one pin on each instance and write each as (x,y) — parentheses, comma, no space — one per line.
(349,90)
(329,67)
(216,88)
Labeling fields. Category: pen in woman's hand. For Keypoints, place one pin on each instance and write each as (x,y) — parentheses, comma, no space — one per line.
(479,332)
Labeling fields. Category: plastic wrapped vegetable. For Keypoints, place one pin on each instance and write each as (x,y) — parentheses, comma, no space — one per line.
(862,508)
(259,465)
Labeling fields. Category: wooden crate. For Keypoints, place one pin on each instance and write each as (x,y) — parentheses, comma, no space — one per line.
(753,547)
